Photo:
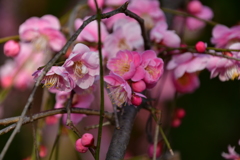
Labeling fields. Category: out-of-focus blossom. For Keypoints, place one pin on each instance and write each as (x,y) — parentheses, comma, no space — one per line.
(115,3)
(226,69)
(233,155)
(148,10)
(158,150)
(42,151)
(91,4)
(195,8)
(224,36)
(56,78)
(120,91)
(43,33)
(124,37)
(90,32)
(187,83)
(83,65)
(153,67)
(160,35)
(11,48)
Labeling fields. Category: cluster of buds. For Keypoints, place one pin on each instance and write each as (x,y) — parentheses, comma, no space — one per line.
(178,116)
(82,144)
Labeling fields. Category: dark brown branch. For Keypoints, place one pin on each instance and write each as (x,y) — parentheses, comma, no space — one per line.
(47,113)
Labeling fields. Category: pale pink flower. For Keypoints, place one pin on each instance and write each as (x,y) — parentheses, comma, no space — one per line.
(187,83)
(120,91)
(11,48)
(124,37)
(56,78)
(224,36)
(90,32)
(187,63)
(83,65)
(125,64)
(233,155)
(160,35)
(43,33)
(153,67)
(225,68)
(149,10)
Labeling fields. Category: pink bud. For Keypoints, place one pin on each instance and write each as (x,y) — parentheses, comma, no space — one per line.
(194,7)
(42,151)
(136,100)
(11,48)
(6,81)
(180,113)
(87,140)
(200,47)
(176,122)
(139,86)
(158,150)
(79,147)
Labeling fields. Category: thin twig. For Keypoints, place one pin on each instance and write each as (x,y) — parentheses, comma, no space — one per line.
(5,39)
(34,137)
(97,125)
(97,153)
(63,51)
(155,142)
(50,113)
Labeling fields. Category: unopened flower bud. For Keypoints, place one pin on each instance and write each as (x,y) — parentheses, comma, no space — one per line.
(79,147)
(180,113)
(87,140)
(136,100)
(158,150)
(200,47)
(139,86)
(42,151)
(11,48)
(194,7)
(176,122)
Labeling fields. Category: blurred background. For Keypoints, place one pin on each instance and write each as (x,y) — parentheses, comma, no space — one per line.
(212,111)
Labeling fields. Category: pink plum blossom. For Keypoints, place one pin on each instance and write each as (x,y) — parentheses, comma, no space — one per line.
(124,37)
(56,78)
(153,67)
(187,63)
(43,33)
(120,91)
(11,48)
(160,35)
(83,65)
(187,83)
(125,64)
(224,36)
(226,69)
(149,10)
(90,32)
(233,155)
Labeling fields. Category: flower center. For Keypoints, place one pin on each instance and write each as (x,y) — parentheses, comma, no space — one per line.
(118,95)
(154,72)
(232,73)
(122,45)
(40,43)
(51,81)
(149,23)
(80,69)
